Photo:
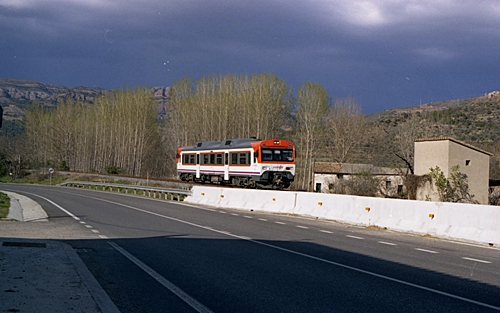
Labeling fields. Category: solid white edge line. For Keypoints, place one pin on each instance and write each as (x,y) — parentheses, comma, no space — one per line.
(192,302)
(59,207)
(311,257)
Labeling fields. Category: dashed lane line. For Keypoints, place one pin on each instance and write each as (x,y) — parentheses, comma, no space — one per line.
(292,252)
(428,251)
(355,237)
(387,243)
(326,231)
(303,227)
(476,260)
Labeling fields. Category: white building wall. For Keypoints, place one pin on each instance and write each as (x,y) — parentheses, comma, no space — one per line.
(446,154)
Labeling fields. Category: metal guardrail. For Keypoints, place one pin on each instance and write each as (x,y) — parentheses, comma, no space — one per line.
(159,193)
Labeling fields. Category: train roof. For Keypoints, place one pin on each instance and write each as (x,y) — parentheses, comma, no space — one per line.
(228,143)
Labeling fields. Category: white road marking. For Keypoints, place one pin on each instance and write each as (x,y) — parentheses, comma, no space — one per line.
(355,237)
(476,260)
(235,214)
(326,231)
(95,231)
(425,250)
(303,227)
(262,219)
(387,243)
(103,237)
(59,207)
(222,212)
(300,254)
(246,216)
(281,223)
(192,302)
(82,222)
(88,226)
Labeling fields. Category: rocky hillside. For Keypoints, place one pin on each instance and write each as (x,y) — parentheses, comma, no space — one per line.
(16,94)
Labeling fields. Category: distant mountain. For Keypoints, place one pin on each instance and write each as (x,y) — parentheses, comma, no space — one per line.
(15,94)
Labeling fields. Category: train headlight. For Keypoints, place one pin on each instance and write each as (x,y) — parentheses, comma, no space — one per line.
(265,168)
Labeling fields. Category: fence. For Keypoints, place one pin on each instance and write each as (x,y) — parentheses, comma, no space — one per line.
(154,192)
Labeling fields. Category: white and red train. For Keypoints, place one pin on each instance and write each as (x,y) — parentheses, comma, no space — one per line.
(248,162)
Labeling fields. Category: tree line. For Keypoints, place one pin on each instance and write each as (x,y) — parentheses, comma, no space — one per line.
(121,132)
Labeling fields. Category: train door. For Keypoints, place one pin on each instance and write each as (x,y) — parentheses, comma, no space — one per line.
(226,166)
(255,160)
(198,165)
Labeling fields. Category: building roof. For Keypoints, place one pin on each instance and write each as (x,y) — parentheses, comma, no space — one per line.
(455,141)
(349,169)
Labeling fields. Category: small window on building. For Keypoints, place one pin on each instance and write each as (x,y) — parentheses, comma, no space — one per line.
(400,189)
(318,187)
(340,176)
(387,184)
(467,162)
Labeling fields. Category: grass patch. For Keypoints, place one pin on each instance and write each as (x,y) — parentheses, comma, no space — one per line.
(4,205)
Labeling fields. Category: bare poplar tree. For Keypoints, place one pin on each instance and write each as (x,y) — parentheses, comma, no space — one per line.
(312,109)
(346,129)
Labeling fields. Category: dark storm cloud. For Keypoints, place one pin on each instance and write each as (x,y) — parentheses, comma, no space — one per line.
(385,53)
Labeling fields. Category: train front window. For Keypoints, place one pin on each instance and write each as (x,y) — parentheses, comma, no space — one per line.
(267,155)
(287,155)
(280,155)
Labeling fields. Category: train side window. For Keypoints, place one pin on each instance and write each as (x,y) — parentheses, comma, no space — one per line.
(204,158)
(192,159)
(243,158)
(212,158)
(234,158)
(255,156)
(219,158)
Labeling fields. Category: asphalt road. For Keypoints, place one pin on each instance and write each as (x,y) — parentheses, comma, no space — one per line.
(157,256)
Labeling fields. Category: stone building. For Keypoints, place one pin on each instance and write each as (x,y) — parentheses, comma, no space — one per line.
(328,175)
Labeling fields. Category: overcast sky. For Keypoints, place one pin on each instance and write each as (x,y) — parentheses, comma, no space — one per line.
(384,53)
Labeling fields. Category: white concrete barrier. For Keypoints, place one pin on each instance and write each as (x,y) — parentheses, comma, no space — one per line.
(205,195)
(468,222)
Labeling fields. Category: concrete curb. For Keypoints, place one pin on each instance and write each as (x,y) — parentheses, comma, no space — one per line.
(25,209)
(42,274)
